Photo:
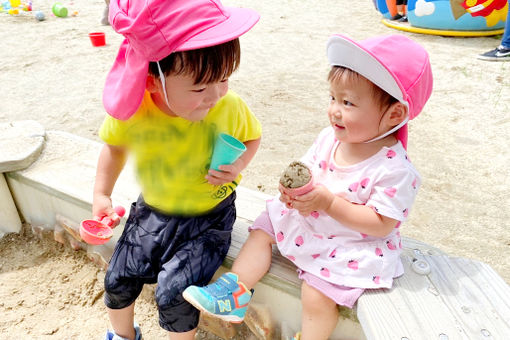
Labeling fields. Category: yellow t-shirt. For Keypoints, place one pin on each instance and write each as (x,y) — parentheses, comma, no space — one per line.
(172,155)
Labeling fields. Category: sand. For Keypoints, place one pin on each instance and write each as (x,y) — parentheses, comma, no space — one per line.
(295,175)
(52,74)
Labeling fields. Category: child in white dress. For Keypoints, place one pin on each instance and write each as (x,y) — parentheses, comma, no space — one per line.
(343,235)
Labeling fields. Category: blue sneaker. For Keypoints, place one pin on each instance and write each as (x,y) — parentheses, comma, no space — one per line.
(110,335)
(227,298)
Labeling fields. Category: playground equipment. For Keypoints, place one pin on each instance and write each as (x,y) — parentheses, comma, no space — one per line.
(450,17)
(13,6)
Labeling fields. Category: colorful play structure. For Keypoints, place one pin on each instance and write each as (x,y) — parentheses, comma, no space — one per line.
(449,17)
(13,7)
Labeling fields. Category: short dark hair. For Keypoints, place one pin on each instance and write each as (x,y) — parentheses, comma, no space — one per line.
(382,97)
(205,65)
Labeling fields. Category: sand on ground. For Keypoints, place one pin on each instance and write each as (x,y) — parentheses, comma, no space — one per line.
(52,74)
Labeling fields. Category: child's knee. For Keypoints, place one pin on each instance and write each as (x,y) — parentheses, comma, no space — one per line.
(177,315)
(259,235)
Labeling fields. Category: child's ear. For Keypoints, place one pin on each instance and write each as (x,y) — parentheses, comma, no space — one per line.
(397,113)
(152,83)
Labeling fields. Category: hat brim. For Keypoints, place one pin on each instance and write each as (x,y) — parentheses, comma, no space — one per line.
(342,51)
(240,21)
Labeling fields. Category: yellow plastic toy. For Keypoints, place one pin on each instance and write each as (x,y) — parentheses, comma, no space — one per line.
(13,6)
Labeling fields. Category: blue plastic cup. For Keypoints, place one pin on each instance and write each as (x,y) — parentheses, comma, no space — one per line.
(226,151)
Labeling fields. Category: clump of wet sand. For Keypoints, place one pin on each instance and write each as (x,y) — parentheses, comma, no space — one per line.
(295,175)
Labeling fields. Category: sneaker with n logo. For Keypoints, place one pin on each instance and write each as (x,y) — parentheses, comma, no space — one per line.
(500,53)
(227,298)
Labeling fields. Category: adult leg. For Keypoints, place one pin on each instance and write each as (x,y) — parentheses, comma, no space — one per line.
(505,41)
(104,19)
(320,314)
(502,52)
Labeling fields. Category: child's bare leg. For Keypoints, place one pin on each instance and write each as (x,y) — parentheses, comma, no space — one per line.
(320,314)
(254,258)
(190,335)
(122,321)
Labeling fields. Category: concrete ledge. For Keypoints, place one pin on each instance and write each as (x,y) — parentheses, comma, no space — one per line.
(21,143)
(55,193)
(441,298)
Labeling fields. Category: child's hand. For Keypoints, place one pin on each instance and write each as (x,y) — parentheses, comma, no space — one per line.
(285,198)
(227,174)
(319,199)
(102,211)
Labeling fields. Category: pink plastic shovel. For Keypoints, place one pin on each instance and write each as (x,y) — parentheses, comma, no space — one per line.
(98,232)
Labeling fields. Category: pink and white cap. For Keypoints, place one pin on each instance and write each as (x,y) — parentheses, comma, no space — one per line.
(156,28)
(395,63)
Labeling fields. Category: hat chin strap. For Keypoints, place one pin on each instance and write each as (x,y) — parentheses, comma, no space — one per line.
(163,81)
(404,122)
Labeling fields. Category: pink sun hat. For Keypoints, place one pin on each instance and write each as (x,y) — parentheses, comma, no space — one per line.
(395,63)
(155,29)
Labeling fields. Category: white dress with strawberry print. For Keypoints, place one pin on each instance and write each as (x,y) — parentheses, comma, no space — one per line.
(320,245)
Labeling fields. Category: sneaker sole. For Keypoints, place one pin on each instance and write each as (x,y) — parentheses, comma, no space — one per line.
(228,318)
(506,58)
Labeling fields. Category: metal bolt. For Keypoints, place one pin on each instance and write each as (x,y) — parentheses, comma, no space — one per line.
(485,333)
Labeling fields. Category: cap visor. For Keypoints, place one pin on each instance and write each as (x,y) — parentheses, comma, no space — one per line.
(240,21)
(125,83)
(342,51)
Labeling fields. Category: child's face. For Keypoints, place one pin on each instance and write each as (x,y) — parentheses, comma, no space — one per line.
(353,112)
(188,100)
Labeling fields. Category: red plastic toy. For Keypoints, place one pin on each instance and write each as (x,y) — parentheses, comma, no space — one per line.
(98,232)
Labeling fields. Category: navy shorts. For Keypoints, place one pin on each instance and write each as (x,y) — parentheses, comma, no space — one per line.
(172,251)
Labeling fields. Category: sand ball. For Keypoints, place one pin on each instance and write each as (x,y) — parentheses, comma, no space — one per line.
(39,16)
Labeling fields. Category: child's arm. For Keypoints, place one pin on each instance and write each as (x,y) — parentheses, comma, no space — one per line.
(230,172)
(358,217)
(110,164)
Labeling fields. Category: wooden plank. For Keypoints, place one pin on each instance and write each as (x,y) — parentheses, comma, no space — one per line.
(459,299)
(476,295)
